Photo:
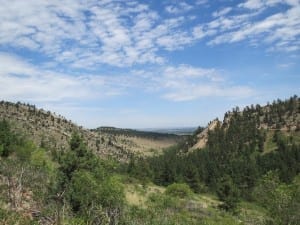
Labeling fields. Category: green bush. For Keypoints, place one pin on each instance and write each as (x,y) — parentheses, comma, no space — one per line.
(281,200)
(6,138)
(24,151)
(40,159)
(161,201)
(178,190)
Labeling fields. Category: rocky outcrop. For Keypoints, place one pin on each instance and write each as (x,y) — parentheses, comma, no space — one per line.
(203,136)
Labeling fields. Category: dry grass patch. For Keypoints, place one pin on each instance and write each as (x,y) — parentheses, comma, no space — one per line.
(137,195)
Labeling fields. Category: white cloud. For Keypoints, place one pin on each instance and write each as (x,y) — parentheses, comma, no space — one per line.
(279,30)
(192,92)
(201,2)
(186,83)
(252,4)
(20,80)
(180,7)
(222,12)
(263,4)
(89,33)
(176,83)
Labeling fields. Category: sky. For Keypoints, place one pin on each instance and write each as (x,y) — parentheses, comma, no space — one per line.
(148,64)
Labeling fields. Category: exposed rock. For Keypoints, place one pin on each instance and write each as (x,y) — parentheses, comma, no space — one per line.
(203,136)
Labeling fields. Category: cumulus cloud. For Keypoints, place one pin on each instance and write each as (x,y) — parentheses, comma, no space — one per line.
(280,30)
(86,34)
(83,34)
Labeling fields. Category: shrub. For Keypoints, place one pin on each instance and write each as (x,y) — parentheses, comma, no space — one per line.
(178,190)
(6,138)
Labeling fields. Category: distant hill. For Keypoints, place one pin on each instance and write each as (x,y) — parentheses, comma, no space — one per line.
(177,131)
(54,131)
(136,133)
(139,142)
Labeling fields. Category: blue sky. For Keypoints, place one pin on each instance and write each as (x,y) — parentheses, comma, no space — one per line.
(148,64)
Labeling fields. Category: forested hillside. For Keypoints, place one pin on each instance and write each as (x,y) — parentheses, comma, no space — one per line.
(253,151)
(280,115)
(246,173)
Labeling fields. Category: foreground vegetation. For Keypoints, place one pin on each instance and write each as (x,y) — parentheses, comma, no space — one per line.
(245,175)
(40,186)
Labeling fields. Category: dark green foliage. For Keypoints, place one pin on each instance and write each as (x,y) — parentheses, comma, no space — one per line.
(79,157)
(191,177)
(6,138)
(285,159)
(139,168)
(228,193)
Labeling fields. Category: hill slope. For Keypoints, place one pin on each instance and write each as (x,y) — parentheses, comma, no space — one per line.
(54,131)
(279,116)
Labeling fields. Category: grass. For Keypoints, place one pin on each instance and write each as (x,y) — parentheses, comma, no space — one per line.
(149,204)
(251,213)
(269,145)
(137,194)
(291,137)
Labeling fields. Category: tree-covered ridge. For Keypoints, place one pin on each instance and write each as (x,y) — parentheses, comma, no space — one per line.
(237,156)
(279,114)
